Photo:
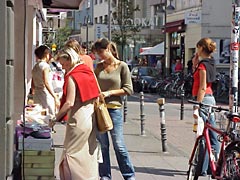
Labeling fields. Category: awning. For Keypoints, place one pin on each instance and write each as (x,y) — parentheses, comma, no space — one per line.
(144,49)
(175,26)
(62,4)
(155,50)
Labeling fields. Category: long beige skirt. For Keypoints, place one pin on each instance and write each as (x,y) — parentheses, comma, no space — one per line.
(79,158)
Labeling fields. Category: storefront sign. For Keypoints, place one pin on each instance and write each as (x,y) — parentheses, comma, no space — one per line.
(193,17)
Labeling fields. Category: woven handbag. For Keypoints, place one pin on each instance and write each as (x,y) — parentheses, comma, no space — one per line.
(104,121)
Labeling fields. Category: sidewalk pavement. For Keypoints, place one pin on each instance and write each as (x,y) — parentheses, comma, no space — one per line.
(146,151)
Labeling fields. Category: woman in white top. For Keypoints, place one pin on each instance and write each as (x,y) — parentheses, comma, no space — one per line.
(42,89)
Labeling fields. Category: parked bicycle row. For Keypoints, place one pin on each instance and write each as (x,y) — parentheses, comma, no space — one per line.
(147,79)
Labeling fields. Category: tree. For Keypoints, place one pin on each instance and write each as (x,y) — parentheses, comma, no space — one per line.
(125,29)
(62,35)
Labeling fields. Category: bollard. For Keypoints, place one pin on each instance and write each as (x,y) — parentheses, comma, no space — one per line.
(182,105)
(161,102)
(125,108)
(142,116)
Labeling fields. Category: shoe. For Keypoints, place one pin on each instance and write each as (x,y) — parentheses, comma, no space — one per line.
(105,178)
(63,122)
(204,173)
(132,178)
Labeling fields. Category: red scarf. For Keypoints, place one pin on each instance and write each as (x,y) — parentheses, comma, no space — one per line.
(85,81)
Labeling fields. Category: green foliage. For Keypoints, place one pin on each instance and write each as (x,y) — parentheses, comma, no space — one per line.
(62,35)
(125,29)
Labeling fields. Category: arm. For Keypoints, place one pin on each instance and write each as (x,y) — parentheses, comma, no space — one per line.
(202,85)
(70,99)
(32,87)
(46,83)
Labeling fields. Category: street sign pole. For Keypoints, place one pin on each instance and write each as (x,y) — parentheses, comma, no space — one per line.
(234,47)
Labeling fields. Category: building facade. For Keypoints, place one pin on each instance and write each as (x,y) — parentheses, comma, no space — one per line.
(181,23)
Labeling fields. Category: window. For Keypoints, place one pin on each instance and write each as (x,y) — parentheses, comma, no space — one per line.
(175,38)
(95,20)
(96,1)
(105,19)
(100,19)
(88,3)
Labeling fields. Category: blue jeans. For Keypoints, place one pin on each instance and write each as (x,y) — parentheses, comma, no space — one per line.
(213,136)
(120,149)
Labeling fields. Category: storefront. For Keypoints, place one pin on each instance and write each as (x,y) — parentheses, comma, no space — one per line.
(175,32)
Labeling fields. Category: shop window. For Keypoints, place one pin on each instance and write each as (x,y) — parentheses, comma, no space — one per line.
(175,39)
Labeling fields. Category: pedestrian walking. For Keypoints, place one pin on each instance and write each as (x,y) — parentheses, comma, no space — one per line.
(204,75)
(115,81)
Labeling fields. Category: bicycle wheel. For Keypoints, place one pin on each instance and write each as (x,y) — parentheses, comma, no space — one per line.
(195,167)
(231,166)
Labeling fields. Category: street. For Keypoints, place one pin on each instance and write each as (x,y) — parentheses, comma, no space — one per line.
(146,151)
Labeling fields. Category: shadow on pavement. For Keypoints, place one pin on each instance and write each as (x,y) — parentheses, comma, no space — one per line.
(154,171)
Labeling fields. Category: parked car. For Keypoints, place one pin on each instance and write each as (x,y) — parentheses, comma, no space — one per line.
(142,77)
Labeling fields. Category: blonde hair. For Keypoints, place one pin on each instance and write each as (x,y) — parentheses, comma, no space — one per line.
(70,54)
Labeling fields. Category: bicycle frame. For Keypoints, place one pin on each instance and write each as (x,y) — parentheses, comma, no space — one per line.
(205,135)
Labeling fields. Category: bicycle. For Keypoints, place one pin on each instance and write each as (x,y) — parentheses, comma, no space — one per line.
(227,165)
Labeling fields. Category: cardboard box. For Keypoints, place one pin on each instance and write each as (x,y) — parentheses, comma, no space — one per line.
(39,178)
(39,165)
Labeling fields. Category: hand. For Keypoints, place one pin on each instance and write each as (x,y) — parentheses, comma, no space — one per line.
(52,122)
(57,102)
(106,94)
(195,112)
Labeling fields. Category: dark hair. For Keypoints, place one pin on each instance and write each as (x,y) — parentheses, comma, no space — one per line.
(208,45)
(104,44)
(41,51)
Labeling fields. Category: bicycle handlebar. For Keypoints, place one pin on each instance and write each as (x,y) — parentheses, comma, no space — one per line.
(218,108)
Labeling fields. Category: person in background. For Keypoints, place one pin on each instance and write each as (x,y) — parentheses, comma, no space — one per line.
(204,75)
(178,67)
(159,66)
(84,49)
(114,79)
(189,66)
(173,65)
(41,85)
(73,43)
(80,90)
(58,76)
(129,63)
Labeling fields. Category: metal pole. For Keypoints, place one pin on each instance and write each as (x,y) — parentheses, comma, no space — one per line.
(109,20)
(165,38)
(87,34)
(161,102)
(142,115)
(183,68)
(234,47)
(125,109)
(3,108)
(182,105)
